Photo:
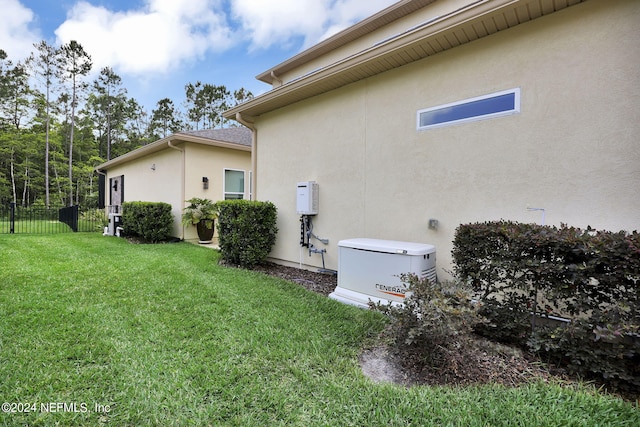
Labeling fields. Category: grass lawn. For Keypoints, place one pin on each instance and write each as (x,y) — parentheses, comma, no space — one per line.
(53,226)
(97,331)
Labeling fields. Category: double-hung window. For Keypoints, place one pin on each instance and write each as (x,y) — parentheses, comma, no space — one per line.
(482,107)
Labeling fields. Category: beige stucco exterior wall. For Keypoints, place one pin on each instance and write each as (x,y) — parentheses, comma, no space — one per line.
(210,162)
(142,183)
(572,150)
(173,181)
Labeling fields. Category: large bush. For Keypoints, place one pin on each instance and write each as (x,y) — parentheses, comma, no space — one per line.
(246,231)
(435,321)
(151,221)
(527,273)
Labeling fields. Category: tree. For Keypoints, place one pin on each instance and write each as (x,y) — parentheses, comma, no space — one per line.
(14,92)
(137,129)
(205,104)
(76,63)
(241,95)
(109,105)
(5,82)
(47,124)
(44,64)
(165,119)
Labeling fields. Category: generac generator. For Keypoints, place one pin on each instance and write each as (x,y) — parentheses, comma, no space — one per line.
(370,269)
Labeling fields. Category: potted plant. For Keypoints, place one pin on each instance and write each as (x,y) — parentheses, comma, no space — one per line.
(201,213)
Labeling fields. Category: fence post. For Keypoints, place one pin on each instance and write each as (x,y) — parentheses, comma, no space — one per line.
(12,218)
(69,216)
(74,213)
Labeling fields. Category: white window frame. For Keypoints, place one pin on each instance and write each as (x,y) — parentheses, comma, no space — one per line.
(224,183)
(515,110)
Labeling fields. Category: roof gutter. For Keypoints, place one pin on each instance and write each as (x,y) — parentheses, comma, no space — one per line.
(182,175)
(250,123)
(337,74)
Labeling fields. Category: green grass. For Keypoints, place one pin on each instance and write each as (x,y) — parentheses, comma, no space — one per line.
(42,226)
(162,335)
(35,226)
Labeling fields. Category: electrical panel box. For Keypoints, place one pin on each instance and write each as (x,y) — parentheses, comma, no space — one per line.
(307,198)
(370,269)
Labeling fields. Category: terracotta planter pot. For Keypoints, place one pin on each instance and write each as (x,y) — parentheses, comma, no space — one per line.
(205,234)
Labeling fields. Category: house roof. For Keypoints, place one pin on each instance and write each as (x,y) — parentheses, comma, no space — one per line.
(478,19)
(386,16)
(239,135)
(238,138)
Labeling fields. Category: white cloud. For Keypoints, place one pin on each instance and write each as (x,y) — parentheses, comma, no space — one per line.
(344,13)
(279,22)
(162,35)
(16,38)
(156,39)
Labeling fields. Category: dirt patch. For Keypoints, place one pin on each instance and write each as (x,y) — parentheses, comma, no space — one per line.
(380,366)
(479,361)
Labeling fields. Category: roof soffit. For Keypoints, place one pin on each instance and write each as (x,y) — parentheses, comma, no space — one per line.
(356,31)
(478,19)
(163,144)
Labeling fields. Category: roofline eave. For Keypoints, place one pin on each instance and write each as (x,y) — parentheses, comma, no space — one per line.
(343,72)
(163,143)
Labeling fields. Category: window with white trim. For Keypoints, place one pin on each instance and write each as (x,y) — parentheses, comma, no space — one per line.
(482,107)
(233,184)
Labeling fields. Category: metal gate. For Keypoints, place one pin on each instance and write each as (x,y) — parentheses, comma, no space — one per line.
(16,219)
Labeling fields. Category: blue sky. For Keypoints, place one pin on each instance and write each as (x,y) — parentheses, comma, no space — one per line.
(158,46)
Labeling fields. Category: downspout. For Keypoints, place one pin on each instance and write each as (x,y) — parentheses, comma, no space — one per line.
(254,158)
(182,190)
(276,78)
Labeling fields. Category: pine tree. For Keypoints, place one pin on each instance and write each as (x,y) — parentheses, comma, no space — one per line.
(44,64)
(76,63)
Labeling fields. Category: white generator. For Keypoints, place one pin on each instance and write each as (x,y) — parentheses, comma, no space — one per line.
(370,269)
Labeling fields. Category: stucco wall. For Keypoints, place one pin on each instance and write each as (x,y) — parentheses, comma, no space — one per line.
(210,162)
(142,183)
(173,183)
(572,150)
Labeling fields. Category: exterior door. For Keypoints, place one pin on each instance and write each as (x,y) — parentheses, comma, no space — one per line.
(116,193)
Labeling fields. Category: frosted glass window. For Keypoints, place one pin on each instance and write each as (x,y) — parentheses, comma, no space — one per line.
(483,107)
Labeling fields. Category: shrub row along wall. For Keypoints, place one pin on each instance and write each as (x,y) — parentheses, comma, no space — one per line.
(592,277)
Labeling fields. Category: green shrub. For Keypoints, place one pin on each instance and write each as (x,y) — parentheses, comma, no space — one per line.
(435,320)
(524,272)
(609,352)
(246,231)
(92,220)
(151,221)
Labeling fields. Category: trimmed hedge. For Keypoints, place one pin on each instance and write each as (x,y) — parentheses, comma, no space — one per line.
(592,277)
(151,221)
(246,231)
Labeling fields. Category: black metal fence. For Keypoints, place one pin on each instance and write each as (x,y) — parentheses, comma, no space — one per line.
(15,219)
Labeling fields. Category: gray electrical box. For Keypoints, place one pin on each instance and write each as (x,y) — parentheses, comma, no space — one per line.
(307,198)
